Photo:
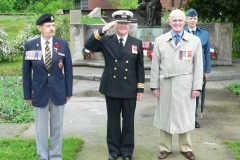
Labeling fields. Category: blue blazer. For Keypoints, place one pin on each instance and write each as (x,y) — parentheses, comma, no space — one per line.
(204,37)
(39,84)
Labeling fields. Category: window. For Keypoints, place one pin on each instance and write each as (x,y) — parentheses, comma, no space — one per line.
(81,4)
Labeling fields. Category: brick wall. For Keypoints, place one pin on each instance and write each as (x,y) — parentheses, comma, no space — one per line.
(167,4)
(104,4)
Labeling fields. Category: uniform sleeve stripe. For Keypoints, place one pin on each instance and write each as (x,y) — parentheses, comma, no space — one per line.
(97,36)
(140,85)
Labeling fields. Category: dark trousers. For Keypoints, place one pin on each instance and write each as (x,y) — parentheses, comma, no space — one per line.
(120,136)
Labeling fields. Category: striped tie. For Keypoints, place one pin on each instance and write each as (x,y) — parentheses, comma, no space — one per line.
(47,56)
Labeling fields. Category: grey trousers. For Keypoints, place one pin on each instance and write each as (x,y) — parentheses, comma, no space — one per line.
(53,115)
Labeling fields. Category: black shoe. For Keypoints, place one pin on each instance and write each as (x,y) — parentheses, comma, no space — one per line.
(127,158)
(112,157)
(197,125)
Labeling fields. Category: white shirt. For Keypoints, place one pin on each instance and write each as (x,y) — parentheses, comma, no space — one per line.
(124,39)
(43,44)
(192,30)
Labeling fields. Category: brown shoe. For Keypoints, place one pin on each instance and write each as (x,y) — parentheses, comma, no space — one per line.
(189,155)
(163,154)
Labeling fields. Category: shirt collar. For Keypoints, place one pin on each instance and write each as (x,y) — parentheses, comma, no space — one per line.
(194,29)
(124,38)
(180,34)
(43,40)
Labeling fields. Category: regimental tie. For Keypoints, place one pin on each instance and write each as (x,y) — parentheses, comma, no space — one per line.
(121,43)
(193,32)
(48,58)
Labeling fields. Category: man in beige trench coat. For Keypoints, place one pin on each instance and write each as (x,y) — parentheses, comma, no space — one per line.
(176,80)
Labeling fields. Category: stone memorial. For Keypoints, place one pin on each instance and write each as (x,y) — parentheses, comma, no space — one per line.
(220,37)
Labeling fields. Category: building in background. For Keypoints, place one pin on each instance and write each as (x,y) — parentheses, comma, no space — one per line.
(106,4)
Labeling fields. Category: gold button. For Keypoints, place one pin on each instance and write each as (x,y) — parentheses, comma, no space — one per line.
(126,61)
(125,77)
(48,74)
(115,68)
(116,60)
(126,70)
(114,76)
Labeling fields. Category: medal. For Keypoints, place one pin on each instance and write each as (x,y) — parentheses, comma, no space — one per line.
(60,64)
(180,55)
(189,55)
(134,49)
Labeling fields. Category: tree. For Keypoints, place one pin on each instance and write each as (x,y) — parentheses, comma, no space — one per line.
(216,10)
(124,4)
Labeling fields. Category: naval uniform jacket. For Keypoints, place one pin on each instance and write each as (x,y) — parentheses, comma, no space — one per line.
(43,84)
(123,74)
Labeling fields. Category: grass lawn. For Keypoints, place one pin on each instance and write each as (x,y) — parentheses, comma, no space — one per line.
(13,25)
(25,149)
(235,147)
(12,67)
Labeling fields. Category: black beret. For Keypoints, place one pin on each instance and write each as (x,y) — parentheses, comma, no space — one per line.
(45,18)
(191,13)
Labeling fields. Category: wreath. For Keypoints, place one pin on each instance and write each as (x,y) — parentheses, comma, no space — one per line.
(87,53)
(148,49)
(213,52)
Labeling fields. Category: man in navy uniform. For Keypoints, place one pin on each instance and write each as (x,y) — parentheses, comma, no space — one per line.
(122,81)
(47,85)
(193,28)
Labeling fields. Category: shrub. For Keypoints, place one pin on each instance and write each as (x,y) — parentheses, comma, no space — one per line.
(6,6)
(6,51)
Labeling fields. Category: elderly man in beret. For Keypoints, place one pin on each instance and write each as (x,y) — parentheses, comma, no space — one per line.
(193,28)
(47,84)
(122,81)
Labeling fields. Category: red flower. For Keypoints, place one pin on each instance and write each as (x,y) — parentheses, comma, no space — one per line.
(56,45)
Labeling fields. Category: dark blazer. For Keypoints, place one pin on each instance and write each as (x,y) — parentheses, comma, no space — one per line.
(123,74)
(39,84)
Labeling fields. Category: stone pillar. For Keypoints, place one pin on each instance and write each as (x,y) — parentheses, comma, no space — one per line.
(220,35)
(76,35)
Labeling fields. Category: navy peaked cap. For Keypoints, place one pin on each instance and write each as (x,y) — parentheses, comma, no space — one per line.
(122,16)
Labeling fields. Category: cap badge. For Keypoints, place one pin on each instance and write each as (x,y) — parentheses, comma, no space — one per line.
(124,15)
(52,18)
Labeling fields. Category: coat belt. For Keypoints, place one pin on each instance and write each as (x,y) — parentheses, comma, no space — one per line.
(165,75)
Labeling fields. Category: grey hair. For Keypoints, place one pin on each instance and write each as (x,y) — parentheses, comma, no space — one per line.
(177,12)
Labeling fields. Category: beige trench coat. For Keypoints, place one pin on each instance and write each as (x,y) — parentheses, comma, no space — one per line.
(176,71)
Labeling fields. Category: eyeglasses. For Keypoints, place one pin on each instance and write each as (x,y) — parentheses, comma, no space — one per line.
(123,23)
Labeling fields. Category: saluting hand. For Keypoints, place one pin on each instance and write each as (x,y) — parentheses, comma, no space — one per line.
(108,26)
